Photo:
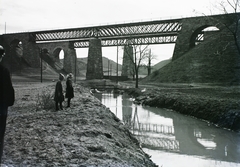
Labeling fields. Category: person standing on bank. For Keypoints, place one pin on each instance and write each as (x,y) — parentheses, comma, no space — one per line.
(58,96)
(7,98)
(69,89)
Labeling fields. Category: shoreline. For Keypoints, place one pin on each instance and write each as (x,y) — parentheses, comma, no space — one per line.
(217,105)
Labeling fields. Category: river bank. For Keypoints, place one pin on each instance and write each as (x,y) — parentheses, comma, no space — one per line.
(86,134)
(218,105)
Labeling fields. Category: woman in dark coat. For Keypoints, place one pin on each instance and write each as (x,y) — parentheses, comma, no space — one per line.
(58,96)
(69,89)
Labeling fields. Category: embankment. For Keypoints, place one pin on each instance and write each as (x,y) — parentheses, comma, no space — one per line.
(217,105)
(86,134)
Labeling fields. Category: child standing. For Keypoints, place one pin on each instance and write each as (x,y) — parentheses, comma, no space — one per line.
(58,96)
(69,89)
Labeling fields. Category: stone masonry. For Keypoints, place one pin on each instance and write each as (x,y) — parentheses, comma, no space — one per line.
(94,65)
(127,65)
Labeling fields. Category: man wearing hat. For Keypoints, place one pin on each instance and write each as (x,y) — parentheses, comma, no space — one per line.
(7,98)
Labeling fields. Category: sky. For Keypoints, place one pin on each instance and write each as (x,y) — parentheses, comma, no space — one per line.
(35,15)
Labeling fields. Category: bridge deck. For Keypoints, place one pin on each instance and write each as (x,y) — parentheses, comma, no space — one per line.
(152,32)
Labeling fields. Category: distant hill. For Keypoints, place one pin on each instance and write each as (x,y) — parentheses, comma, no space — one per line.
(161,64)
(82,66)
(143,70)
(109,66)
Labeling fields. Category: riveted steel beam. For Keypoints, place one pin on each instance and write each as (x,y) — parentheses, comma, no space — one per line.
(130,41)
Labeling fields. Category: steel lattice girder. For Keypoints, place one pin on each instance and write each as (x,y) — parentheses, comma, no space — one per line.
(200,37)
(130,41)
(136,30)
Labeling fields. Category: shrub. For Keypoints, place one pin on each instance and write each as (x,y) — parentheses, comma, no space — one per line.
(45,101)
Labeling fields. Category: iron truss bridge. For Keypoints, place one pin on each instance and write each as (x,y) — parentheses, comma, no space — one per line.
(152,32)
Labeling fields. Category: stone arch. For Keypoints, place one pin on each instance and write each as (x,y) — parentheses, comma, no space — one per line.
(19,46)
(46,56)
(198,35)
(56,53)
(16,52)
(59,63)
(16,46)
(66,64)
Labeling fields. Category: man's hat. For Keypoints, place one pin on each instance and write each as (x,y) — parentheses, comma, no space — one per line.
(61,76)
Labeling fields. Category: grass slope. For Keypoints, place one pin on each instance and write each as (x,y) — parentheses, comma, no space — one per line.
(213,61)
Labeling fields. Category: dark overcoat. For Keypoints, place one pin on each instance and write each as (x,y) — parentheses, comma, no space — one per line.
(7,96)
(69,89)
(58,96)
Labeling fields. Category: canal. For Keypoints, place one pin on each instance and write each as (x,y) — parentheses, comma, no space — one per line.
(172,139)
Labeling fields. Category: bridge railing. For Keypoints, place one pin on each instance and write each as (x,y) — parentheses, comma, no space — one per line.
(163,143)
(156,128)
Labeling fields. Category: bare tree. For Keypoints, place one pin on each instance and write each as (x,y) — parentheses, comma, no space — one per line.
(140,53)
(150,57)
(233,7)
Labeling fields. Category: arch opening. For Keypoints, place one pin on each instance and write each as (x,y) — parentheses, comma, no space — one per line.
(201,34)
(17,47)
(16,52)
(46,56)
(58,55)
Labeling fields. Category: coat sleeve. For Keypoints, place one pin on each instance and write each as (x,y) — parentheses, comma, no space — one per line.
(10,93)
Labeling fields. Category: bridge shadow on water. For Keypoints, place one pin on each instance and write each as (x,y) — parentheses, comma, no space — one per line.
(169,131)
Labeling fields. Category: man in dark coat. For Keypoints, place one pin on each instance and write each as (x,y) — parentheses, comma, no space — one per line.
(69,89)
(7,98)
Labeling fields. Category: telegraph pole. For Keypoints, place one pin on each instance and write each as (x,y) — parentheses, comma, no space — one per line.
(41,62)
(117,63)
(5,27)
(108,68)
(75,78)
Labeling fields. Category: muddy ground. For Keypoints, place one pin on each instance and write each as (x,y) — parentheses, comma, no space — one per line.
(86,134)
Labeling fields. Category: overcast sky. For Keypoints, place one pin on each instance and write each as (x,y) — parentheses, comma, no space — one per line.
(29,15)
(35,15)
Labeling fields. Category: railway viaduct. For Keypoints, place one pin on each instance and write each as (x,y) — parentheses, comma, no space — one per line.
(186,33)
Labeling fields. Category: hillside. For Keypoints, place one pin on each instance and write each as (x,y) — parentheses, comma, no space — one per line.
(161,64)
(111,66)
(51,71)
(213,61)
(143,70)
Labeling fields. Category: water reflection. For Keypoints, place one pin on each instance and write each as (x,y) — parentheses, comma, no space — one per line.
(165,130)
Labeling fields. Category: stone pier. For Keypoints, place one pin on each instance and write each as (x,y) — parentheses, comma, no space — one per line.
(94,64)
(69,60)
(127,64)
